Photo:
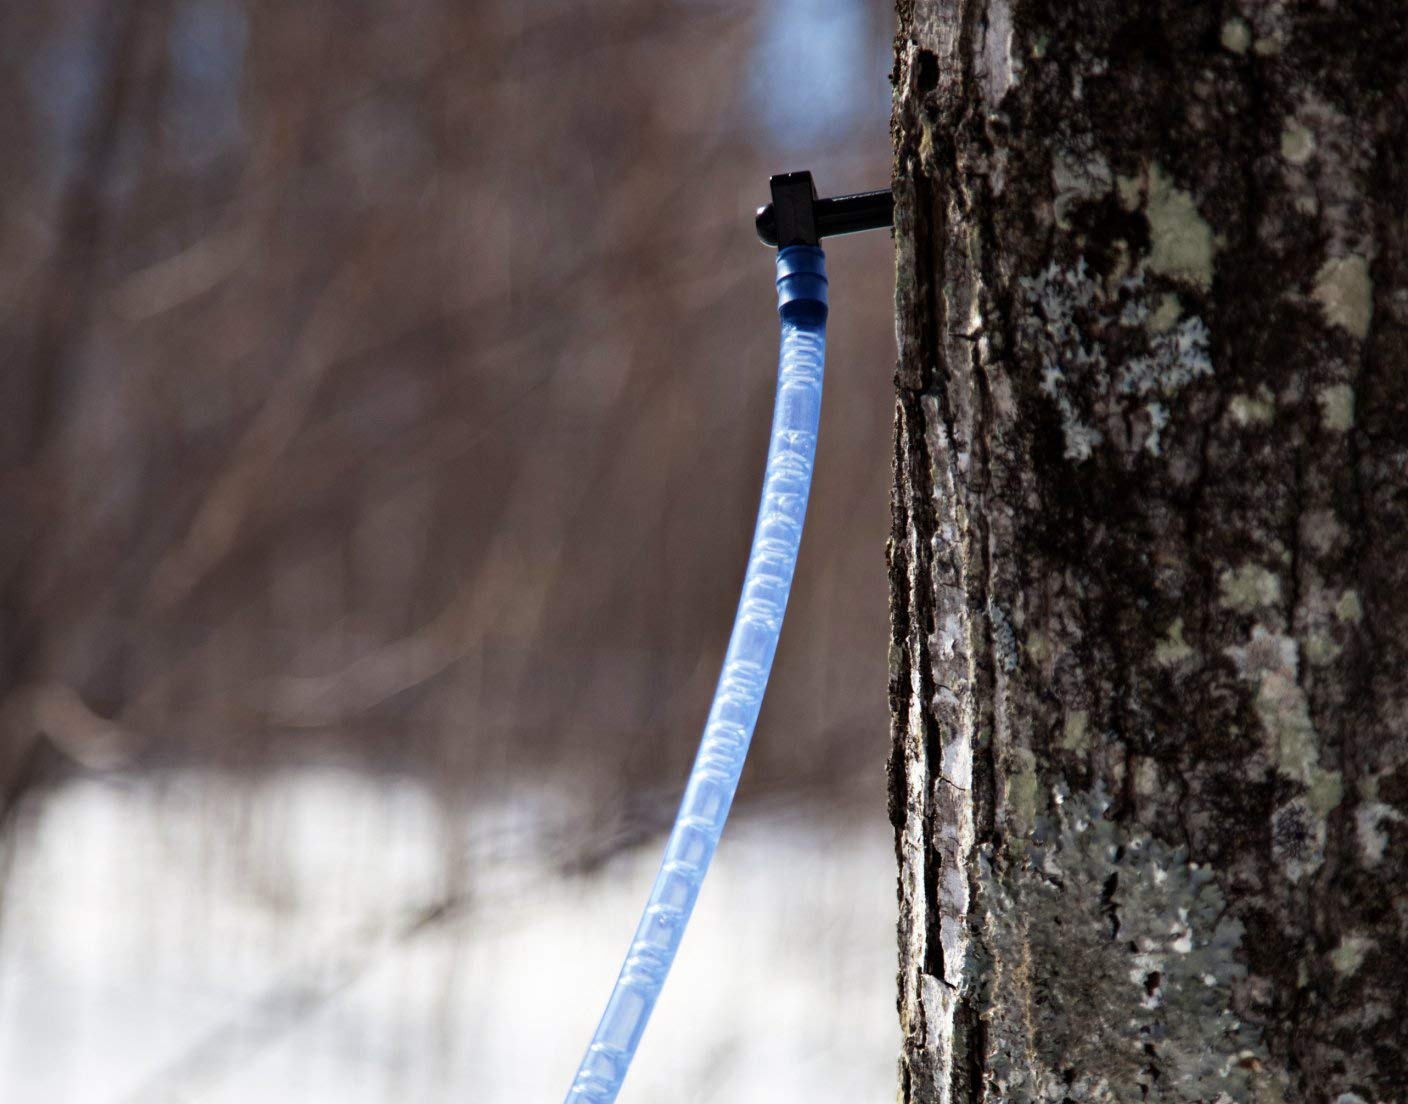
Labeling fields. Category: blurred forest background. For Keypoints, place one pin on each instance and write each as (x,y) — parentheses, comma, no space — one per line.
(385,397)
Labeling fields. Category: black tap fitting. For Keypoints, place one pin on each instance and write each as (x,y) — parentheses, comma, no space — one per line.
(797,217)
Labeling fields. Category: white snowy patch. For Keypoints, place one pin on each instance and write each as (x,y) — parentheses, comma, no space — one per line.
(322,936)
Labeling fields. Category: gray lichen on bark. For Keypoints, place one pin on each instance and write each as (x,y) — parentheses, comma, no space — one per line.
(1124,943)
(1149,675)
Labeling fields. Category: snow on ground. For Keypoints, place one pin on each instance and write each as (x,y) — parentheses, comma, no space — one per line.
(329,936)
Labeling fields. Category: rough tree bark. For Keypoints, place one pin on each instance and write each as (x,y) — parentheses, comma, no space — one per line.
(1149,566)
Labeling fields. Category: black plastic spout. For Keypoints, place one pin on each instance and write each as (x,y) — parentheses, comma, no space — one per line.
(797,217)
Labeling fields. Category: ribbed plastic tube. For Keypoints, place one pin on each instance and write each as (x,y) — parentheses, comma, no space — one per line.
(708,796)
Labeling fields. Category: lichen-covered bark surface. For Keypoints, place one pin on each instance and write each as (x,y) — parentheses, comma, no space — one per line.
(1150,550)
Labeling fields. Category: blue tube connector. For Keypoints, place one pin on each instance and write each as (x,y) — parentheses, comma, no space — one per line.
(708,796)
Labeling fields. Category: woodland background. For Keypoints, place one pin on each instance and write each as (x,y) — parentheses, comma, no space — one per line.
(385,394)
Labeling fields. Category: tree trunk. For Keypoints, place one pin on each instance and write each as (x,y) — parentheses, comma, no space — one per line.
(1149,570)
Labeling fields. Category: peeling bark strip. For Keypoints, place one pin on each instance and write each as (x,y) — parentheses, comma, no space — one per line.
(1149,567)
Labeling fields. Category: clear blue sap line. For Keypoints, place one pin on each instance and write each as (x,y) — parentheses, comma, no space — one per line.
(801,285)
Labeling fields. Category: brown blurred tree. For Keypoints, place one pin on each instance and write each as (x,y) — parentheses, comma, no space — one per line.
(1149,577)
(371,395)
(33,708)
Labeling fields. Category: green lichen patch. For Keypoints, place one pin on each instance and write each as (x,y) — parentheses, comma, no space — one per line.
(1248,588)
(1075,732)
(1236,35)
(1022,790)
(1146,778)
(1321,648)
(1270,661)
(1169,311)
(1349,955)
(1349,608)
(1182,244)
(1252,410)
(1345,293)
(1297,143)
(1173,649)
(1104,969)
(1337,407)
(1324,791)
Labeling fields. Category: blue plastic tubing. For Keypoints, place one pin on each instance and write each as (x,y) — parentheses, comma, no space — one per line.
(801,303)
